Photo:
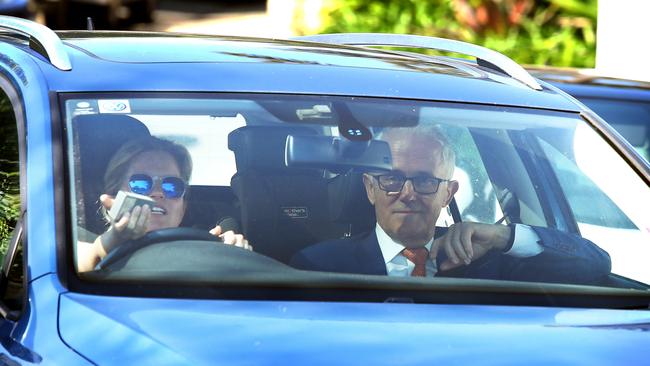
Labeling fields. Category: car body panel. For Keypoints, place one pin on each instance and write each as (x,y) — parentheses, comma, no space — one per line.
(174,331)
(36,335)
(227,76)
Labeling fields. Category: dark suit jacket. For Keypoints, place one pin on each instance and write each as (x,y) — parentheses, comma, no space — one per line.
(566,258)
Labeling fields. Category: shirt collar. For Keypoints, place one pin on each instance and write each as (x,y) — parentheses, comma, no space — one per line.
(389,247)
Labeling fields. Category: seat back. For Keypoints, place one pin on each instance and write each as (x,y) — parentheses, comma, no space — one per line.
(283,209)
(208,206)
(349,203)
(97,138)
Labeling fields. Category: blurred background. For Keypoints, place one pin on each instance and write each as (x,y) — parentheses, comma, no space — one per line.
(608,34)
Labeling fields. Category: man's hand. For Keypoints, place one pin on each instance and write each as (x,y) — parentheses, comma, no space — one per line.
(229,237)
(468,241)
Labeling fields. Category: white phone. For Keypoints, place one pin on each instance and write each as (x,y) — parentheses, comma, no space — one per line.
(126,201)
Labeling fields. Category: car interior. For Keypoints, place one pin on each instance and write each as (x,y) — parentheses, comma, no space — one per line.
(284,201)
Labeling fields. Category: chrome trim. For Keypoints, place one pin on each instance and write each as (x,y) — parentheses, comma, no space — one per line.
(497,59)
(43,36)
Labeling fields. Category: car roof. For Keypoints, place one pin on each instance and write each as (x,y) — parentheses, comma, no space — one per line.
(100,61)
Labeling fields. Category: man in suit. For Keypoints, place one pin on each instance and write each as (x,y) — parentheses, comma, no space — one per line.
(406,242)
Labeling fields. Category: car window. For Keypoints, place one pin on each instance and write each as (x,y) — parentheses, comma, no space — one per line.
(12,272)
(9,171)
(293,172)
(477,200)
(207,139)
(611,212)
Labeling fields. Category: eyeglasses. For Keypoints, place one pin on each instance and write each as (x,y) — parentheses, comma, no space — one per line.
(172,187)
(394,183)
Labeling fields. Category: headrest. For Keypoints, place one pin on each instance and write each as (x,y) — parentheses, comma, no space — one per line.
(262,147)
(98,136)
(349,202)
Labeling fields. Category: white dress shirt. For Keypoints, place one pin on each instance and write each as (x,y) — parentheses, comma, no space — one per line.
(525,245)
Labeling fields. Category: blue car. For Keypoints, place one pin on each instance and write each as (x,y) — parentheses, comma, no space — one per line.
(197,200)
(625,104)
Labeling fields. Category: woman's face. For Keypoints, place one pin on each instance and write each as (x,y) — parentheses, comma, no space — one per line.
(168,212)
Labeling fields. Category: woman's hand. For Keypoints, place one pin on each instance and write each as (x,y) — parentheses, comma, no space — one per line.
(229,237)
(132,225)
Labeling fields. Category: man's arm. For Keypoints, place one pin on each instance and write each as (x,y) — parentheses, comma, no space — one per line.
(566,258)
(556,257)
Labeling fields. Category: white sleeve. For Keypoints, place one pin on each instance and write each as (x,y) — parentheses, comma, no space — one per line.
(526,242)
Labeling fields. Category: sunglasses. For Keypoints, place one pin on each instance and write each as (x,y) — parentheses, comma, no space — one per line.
(172,187)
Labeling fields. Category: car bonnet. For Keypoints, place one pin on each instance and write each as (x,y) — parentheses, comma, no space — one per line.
(119,330)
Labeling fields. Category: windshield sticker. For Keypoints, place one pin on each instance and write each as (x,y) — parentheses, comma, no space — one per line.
(114,106)
(83,107)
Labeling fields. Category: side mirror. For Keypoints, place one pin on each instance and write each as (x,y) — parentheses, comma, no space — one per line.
(336,154)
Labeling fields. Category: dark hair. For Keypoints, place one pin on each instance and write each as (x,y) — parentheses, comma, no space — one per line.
(119,164)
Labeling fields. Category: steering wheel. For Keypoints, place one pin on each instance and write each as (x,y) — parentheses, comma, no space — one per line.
(151,238)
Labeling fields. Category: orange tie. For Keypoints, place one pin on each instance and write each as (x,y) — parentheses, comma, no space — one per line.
(419,257)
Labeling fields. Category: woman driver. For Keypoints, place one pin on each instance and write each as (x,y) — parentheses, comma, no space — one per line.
(159,169)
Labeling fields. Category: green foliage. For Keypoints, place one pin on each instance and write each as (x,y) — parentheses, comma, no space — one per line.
(543,32)
(9,173)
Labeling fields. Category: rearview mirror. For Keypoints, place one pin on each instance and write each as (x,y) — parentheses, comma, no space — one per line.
(336,154)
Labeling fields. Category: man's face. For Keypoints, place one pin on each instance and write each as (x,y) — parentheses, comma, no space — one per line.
(409,217)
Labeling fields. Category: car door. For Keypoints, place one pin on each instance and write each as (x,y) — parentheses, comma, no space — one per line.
(12,233)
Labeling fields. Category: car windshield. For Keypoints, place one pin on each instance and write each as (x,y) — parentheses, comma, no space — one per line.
(307,181)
